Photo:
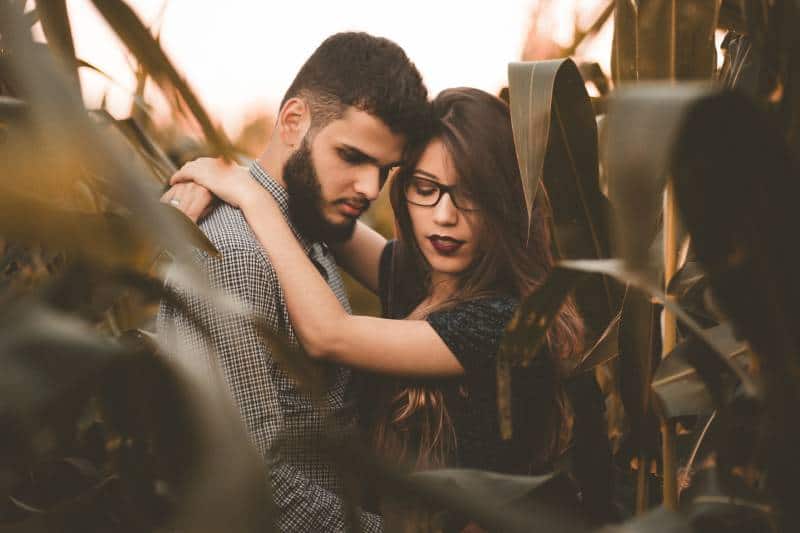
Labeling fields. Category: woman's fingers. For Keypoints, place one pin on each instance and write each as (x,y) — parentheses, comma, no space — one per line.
(199,170)
(167,196)
(204,178)
(186,173)
(191,199)
(198,200)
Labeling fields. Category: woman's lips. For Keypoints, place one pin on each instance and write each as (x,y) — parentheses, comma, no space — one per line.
(445,245)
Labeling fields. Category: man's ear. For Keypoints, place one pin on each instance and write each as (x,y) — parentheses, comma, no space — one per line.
(294,120)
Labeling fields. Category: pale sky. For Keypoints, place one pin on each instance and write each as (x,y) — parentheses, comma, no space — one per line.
(241,55)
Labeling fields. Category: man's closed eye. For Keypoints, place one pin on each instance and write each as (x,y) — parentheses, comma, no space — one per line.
(353,157)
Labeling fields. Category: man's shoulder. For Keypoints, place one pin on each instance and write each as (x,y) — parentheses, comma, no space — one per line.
(242,267)
(228,230)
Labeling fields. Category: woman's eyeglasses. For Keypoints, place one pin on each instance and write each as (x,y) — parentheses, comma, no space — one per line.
(427,193)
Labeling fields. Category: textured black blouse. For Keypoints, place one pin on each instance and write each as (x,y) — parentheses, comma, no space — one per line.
(473,331)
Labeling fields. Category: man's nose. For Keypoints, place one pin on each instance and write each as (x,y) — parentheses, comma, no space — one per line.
(368,183)
(445,212)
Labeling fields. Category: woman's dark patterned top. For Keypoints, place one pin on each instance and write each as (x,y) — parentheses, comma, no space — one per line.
(473,331)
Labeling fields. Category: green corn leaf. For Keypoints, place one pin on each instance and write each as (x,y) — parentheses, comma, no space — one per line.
(617,269)
(681,389)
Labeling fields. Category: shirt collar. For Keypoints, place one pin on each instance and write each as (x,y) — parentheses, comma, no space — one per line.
(281,197)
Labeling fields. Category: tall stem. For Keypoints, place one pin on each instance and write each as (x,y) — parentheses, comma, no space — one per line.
(668,341)
(642,488)
(668,332)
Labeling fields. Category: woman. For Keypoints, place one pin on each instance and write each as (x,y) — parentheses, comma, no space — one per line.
(449,284)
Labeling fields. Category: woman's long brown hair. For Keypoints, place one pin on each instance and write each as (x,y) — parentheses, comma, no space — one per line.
(475,128)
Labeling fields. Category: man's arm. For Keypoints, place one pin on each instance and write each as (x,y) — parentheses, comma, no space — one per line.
(246,364)
(360,255)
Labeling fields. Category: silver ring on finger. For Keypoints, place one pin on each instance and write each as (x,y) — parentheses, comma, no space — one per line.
(175,202)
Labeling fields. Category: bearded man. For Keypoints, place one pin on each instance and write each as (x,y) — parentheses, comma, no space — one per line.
(353,110)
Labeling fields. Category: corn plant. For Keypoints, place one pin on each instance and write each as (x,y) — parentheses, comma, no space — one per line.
(671,196)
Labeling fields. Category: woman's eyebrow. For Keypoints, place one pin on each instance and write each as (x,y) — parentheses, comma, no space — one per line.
(426,174)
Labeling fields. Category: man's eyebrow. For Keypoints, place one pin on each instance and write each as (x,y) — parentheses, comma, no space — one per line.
(368,157)
(360,153)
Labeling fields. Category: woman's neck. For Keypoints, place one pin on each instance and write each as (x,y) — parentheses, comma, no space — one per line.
(443,286)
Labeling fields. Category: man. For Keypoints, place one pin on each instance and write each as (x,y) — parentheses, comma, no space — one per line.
(354,108)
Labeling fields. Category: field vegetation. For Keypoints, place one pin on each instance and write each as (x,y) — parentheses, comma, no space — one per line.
(672,189)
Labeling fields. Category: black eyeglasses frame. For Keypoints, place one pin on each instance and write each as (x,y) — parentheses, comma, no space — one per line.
(442,188)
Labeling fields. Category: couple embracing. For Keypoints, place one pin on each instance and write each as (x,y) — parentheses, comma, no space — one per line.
(419,381)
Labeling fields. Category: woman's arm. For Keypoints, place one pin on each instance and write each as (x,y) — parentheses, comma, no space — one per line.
(400,347)
(324,328)
(360,255)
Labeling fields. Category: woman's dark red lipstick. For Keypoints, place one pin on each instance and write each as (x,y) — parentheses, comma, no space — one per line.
(445,245)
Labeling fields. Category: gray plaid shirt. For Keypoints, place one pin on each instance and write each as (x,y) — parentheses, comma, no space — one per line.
(305,488)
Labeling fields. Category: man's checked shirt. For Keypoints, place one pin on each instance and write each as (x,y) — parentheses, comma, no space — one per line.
(305,488)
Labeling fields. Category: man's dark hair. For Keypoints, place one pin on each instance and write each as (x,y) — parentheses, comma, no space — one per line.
(370,73)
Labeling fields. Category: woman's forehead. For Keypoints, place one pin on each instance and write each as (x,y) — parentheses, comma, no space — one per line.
(437,163)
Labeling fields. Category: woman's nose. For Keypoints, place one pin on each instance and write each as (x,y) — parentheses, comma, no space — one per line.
(445,212)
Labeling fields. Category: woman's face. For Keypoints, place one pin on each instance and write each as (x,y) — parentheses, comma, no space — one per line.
(447,232)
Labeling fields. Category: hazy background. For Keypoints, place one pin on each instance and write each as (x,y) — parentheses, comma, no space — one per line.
(240,55)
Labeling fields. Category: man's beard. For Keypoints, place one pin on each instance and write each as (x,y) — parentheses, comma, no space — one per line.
(305,200)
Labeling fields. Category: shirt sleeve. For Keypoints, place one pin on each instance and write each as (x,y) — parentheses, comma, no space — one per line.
(473,330)
(306,507)
(246,363)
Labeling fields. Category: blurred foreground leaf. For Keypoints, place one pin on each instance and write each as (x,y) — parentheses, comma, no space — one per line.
(172,447)
(148,52)
(736,185)
(724,503)
(11,108)
(140,141)
(46,354)
(55,23)
(641,128)
(108,239)
(505,492)
(57,134)
(471,502)
(659,520)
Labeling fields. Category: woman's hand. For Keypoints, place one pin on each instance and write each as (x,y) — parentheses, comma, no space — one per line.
(195,201)
(230,183)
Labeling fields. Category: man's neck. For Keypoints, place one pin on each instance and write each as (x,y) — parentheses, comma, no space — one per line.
(272,163)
